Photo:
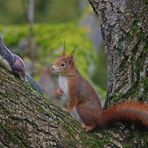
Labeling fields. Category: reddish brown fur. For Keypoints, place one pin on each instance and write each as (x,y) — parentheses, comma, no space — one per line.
(135,112)
(82,96)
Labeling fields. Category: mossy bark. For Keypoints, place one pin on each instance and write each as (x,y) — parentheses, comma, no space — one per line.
(27,120)
(125,32)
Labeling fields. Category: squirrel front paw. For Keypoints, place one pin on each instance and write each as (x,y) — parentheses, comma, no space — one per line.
(59,92)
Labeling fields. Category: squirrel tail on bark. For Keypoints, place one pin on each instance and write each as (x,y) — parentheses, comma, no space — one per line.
(135,112)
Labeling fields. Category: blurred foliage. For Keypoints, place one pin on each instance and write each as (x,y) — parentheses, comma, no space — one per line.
(64,10)
(48,42)
(12,12)
(16,11)
(50,34)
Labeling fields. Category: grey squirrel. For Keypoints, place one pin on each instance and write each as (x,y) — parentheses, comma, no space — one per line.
(16,66)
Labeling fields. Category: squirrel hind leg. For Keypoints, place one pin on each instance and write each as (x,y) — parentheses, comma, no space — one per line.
(87,128)
(83,125)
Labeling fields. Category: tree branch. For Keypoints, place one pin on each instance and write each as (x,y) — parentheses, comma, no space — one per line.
(27,120)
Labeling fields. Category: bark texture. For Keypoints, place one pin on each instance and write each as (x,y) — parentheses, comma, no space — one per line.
(124,25)
(27,120)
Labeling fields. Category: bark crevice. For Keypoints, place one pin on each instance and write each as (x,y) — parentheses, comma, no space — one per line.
(28,120)
(125,34)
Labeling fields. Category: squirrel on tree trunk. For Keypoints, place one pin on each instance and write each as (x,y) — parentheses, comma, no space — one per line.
(80,98)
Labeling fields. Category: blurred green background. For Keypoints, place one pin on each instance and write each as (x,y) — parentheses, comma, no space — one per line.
(39,40)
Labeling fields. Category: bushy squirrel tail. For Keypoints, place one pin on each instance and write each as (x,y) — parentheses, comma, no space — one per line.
(135,112)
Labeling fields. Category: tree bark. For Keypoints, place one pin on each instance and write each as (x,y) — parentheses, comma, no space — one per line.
(124,25)
(28,120)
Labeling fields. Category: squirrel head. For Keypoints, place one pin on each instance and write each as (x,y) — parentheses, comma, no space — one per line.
(64,64)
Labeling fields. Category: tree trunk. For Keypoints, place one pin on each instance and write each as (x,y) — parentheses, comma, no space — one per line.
(124,25)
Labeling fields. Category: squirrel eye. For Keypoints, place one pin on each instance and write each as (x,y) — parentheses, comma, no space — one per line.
(63,64)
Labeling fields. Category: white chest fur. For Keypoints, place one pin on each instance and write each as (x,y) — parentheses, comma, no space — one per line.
(63,84)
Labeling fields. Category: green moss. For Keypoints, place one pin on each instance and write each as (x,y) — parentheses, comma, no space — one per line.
(2,146)
(127,146)
(135,37)
(74,135)
(15,139)
(135,30)
(145,82)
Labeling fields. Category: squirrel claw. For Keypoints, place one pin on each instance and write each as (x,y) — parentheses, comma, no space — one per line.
(89,128)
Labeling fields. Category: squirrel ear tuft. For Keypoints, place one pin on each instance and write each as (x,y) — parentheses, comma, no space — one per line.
(73,52)
(64,50)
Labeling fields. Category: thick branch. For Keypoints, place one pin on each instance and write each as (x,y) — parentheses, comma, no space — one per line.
(27,120)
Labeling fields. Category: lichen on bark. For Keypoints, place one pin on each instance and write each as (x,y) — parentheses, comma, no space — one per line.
(124,29)
(28,120)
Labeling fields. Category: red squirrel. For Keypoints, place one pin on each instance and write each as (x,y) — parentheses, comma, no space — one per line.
(80,97)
